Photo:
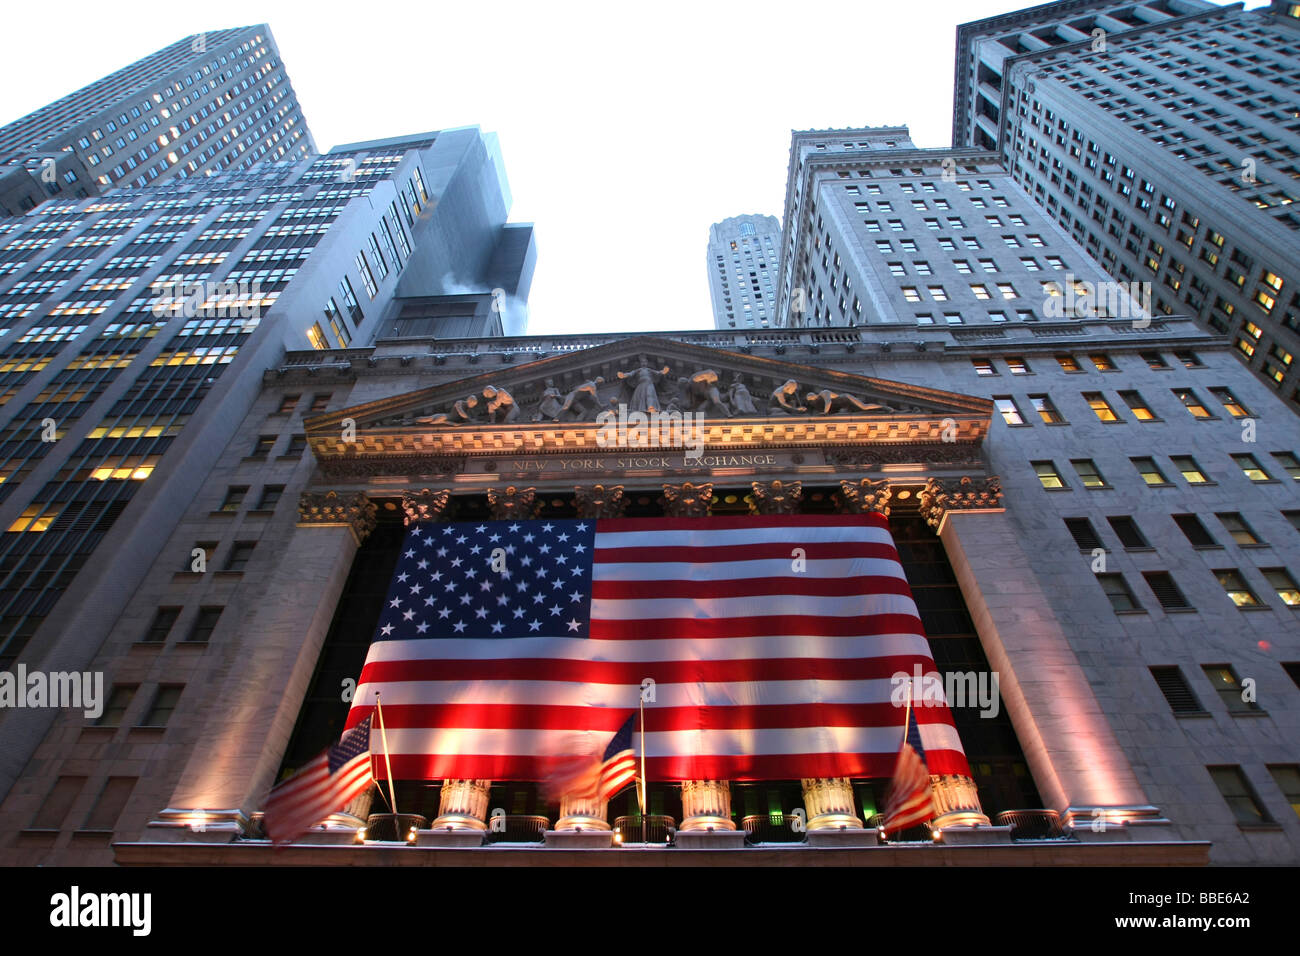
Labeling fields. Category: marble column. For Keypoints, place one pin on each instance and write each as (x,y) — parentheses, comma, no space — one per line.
(706,805)
(582,813)
(829,803)
(463,805)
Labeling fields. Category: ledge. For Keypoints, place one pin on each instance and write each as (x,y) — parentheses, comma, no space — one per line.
(260,853)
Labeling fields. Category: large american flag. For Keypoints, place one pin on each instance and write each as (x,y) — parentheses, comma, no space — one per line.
(771,642)
(324,786)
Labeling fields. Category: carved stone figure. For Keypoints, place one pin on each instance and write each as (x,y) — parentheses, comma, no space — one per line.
(550,406)
(831,402)
(741,400)
(500,406)
(700,392)
(687,500)
(511,503)
(784,398)
(775,497)
(584,400)
(641,381)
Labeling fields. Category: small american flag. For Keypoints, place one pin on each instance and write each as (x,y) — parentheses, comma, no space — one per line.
(909,801)
(771,641)
(326,785)
(598,778)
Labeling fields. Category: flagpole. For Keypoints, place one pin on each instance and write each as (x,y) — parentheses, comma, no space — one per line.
(907,716)
(642,782)
(388,763)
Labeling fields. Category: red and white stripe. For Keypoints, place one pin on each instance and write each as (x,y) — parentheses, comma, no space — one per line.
(763,669)
(909,801)
(312,794)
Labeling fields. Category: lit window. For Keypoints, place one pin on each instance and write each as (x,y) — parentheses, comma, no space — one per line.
(1251,468)
(1189,469)
(1280,580)
(1097,402)
(1007,407)
(1193,404)
(1046,410)
(1047,474)
(1151,474)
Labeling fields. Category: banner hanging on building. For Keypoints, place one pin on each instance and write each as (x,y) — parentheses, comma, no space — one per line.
(765,647)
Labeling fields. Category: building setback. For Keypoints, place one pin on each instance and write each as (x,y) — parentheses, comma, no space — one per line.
(1166,141)
(212,101)
(743,257)
(138,328)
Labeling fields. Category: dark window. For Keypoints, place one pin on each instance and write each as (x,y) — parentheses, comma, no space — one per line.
(204,624)
(1236,526)
(1239,796)
(118,701)
(1287,778)
(164,702)
(1196,533)
(240,554)
(270,497)
(1292,669)
(289,403)
(1172,684)
(163,620)
(54,808)
(263,447)
(1083,533)
(1117,589)
(1088,473)
(297,445)
(110,803)
(1166,591)
(234,497)
(1129,534)
(321,402)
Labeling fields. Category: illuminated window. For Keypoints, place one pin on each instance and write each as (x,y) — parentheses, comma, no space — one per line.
(1150,473)
(1046,410)
(1283,584)
(1251,468)
(1088,473)
(1193,404)
(1189,469)
(1047,474)
(1102,362)
(1007,407)
(1097,402)
(32,518)
(1235,408)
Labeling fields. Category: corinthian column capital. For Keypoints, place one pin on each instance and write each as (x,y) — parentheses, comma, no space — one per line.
(865,495)
(325,509)
(775,497)
(424,505)
(942,495)
(599,501)
(512,503)
(687,500)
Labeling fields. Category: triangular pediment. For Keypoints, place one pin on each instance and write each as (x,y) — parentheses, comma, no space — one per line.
(559,402)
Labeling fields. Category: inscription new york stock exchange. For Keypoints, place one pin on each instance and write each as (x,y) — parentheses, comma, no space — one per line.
(666,460)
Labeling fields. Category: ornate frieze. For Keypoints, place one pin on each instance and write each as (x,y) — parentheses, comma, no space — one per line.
(865,495)
(424,505)
(941,495)
(775,497)
(948,454)
(687,500)
(330,509)
(511,503)
(599,501)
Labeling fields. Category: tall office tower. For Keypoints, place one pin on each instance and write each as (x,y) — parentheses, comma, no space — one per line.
(211,101)
(137,329)
(1168,145)
(744,253)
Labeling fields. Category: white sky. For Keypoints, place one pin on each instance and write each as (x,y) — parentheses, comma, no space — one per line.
(626,129)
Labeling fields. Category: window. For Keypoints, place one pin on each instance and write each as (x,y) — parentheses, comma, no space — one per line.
(234,497)
(109,804)
(1235,408)
(1194,531)
(161,625)
(1250,468)
(119,699)
(297,445)
(1228,686)
(203,626)
(1138,406)
(263,446)
(1236,526)
(1189,469)
(1234,584)
(983,366)
(1017,365)
(240,554)
(1047,474)
(54,808)
(1129,534)
(1189,359)
(937,293)
(321,402)
(1102,362)
(1146,467)
(1177,693)
(367,278)
(1046,410)
(1083,533)
(164,703)
(1117,590)
(1194,404)
(1007,407)
(1088,473)
(1290,464)
(1287,776)
(270,497)
(316,337)
(1154,360)
(1238,795)
(1283,584)
(1166,591)
(1097,402)
(1068,363)
(288,404)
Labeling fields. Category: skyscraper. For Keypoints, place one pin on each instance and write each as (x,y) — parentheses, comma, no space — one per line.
(211,101)
(1165,138)
(140,325)
(743,255)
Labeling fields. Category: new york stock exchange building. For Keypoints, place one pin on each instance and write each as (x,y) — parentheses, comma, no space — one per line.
(1058,744)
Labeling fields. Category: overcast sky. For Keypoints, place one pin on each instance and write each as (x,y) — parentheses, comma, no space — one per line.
(626,129)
